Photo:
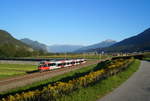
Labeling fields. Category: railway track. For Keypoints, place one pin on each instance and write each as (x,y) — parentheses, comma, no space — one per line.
(19,81)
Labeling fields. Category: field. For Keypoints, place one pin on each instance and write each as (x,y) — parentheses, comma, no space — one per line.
(7,70)
(147,59)
(69,55)
(147,56)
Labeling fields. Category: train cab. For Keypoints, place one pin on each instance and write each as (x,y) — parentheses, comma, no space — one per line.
(46,66)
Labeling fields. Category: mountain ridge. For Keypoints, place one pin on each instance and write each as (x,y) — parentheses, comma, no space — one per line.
(102,44)
(35,44)
(12,47)
(137,43)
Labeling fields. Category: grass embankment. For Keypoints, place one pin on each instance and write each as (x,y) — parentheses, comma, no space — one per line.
(99,89)
(63,77)
(7,70)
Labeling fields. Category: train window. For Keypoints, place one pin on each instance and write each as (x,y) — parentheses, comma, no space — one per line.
(72,62)
(51,64)
(61,64)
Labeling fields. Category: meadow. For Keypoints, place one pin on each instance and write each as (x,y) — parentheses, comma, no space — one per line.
(9,70)
(69,55)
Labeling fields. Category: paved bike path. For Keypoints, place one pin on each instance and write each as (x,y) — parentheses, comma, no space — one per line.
(136,88)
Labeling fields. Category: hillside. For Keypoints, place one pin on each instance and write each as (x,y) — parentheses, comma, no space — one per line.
(6,38)
(140,42)
(35,44)
(102,44)
(11,47)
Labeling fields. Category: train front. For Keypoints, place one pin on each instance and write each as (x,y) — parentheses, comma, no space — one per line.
(43,66)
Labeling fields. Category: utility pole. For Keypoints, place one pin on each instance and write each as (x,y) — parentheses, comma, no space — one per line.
(99,56)
(65,55)
(83,55)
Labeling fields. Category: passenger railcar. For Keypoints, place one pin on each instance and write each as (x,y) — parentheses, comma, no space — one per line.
(50,65)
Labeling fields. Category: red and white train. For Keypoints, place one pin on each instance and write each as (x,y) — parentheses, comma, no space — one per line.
(50,65)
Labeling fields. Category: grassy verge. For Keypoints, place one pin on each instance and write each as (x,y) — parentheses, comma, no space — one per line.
(41,84)
(98,90)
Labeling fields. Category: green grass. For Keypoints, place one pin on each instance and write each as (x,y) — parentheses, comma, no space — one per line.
(98,90)
(41,84)
(147,59)
(7,70)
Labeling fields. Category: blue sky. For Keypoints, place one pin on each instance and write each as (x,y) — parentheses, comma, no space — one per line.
(77,22)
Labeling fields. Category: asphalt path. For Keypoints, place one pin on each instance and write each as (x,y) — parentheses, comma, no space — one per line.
(136,88)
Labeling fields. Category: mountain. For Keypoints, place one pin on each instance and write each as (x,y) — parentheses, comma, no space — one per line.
(35,44)
(11,47)
(140,42)
(102,44)
(63,48)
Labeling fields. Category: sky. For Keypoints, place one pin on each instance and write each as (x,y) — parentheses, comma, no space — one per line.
(74,22)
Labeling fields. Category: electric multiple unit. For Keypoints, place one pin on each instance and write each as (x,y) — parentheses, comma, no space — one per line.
(50,65)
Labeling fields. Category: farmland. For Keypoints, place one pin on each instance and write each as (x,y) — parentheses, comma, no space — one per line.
(148,59)
(69,55)
(9,70)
